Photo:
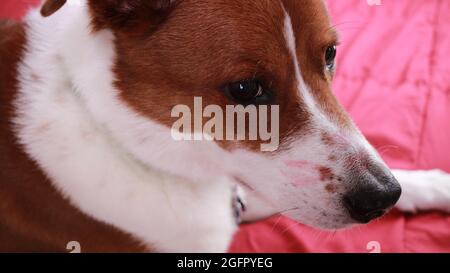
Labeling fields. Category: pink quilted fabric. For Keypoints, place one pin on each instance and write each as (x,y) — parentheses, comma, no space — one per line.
(393,79)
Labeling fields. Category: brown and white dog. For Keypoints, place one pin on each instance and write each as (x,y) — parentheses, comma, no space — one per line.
(86,147)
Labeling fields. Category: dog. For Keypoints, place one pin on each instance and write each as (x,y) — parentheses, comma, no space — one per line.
(87,89)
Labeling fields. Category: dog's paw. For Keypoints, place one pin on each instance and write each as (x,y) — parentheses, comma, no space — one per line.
(424,190)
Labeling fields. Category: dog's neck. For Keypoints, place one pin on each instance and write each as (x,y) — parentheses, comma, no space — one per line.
(58,129)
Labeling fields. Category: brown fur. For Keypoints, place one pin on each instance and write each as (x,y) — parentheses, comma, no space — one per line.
(325,173)
(203,45)
(166,56)
(34,217)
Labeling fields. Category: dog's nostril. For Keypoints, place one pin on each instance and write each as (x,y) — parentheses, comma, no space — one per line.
(361,212)
(369,203)
(375,191)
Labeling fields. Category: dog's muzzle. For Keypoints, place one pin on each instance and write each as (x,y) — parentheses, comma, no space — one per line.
(374,191)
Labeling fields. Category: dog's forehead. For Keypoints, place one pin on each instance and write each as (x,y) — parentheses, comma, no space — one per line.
(219,16)
(260,14)
(309,18)
(309,11)
(254,29)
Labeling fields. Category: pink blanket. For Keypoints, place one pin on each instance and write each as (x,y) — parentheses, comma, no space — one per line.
(393,71)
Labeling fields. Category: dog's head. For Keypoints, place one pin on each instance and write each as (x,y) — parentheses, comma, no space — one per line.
(278,54)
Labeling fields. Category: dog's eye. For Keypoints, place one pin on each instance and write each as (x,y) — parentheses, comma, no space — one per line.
(245,92)
(330,56)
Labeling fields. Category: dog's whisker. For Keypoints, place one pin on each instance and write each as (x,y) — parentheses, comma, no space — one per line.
(280,215)
(286,210)
(290,227)
(276,223)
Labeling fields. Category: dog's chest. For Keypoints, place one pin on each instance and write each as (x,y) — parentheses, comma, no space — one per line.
(34,216)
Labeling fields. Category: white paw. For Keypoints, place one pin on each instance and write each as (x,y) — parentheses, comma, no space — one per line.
(424,190)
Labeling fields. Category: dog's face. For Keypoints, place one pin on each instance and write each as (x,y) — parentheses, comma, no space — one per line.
(264,52)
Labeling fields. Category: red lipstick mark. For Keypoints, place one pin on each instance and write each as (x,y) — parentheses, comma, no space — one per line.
(298,163)
(299,172)
(331,188)
(325,173)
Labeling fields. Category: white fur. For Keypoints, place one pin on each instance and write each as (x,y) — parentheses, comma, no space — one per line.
(91,168)
(424,190)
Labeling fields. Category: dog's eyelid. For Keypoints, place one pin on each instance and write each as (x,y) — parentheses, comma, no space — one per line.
(333,39)
(332,42)
(334,33)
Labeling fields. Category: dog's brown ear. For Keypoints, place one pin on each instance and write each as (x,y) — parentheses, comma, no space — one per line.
(121,14)
(51,6)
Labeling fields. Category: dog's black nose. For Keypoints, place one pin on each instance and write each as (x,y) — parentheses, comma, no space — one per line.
(371,199)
